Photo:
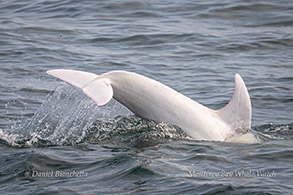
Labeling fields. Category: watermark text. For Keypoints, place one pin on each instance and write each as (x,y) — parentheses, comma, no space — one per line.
(232,174)
(56,174)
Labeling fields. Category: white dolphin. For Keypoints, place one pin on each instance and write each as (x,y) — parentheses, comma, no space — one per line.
(153,100)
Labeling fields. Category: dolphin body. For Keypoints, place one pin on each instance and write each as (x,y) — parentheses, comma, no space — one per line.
(153,100)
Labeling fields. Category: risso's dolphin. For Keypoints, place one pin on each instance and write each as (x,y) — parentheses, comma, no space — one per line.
(153,100)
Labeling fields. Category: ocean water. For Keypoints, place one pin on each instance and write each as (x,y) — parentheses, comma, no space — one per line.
(55,140)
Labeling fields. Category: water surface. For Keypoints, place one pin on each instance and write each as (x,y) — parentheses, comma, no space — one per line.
(54,139)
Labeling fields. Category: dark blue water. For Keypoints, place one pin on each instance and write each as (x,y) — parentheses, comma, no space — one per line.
(53,139)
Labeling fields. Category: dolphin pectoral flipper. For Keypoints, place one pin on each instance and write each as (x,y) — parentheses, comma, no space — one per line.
(97,88)
(237,113)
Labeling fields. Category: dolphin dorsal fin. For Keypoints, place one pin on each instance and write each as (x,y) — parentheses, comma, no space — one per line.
(237,113)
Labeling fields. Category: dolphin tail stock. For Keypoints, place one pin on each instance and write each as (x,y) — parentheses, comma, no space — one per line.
(97,88)
(237,113)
